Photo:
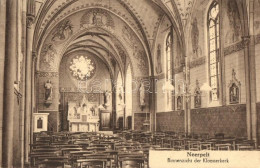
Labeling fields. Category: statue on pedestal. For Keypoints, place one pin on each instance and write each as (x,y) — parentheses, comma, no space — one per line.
(142,96)
(107,97)
(93,111)
(120,95)
(48,92)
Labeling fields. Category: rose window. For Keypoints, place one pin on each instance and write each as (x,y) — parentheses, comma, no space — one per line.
(82,67)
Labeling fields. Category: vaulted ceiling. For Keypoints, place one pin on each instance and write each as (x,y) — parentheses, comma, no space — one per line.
(120,32)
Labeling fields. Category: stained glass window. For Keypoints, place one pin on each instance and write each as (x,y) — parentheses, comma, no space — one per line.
(82,67)
(213,40)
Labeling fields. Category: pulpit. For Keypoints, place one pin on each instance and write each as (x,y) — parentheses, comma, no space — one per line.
(40,122)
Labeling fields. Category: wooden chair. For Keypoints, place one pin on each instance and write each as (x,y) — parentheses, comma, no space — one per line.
(193,145)
(90,163)
(226,146)
(219,135)
(110,160)
(129,162)
(206,145)
(204,136)
(66,151)
(52,164)
(245,147)
(35,155)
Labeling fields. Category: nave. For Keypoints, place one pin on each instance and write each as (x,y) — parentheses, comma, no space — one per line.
(121,149)
(82,78)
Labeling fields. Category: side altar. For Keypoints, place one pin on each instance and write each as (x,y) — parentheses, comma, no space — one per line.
(83,117)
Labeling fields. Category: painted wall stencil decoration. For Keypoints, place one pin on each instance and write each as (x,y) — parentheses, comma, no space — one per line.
(140,56)
(233,35)
(159,61)
(196,50)
(128,35)
(62,31)
(96,17)
(48,57)
(120,52)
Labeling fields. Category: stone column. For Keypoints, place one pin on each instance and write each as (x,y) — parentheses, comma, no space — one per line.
(9,79)
(252,71)
(33,94)
(22,105)
(184,99)
(222,78)
(123,108)
(2,63)
(152,103)
(187,97)
(113,106)
(247,82)
(28,87)
(189,94)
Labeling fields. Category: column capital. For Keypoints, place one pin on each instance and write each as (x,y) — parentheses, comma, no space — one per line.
(34,55)
(153,77)
(246,40)
(29,20)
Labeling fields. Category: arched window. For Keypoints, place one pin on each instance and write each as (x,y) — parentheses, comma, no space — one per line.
(213,48)
(168,51)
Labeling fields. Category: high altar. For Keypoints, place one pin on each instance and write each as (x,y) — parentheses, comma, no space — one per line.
(83,117)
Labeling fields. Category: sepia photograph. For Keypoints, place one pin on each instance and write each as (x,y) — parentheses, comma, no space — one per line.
(130,83)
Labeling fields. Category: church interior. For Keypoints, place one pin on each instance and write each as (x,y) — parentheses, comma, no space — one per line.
(99,83)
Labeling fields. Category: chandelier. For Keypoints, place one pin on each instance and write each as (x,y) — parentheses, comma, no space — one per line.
(82,67)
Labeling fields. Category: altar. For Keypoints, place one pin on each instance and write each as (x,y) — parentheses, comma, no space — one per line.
(83,117)
(88,126)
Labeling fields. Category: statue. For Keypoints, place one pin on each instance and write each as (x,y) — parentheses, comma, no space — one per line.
(120,95)
(234,94)
(75,114)
(84,109)
(93,111)
(179,103)
(142,96)
(97,19)
(107,97)
(94,19)
(197,97)
(234,89)
(48,91)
